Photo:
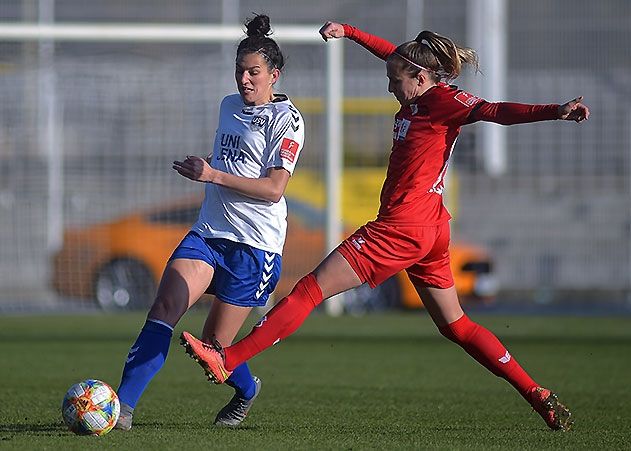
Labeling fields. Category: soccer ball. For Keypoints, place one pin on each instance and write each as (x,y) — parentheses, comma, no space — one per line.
(90,407)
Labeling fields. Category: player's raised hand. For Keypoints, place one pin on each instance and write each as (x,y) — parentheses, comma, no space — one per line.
(331,30)
(574,110)
(194,168)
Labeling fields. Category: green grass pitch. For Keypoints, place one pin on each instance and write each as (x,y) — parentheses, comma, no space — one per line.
(375,382)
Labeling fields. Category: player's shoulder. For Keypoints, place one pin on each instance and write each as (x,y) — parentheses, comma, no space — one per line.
(232,101)
(284,106)
(456,97)
(283,111)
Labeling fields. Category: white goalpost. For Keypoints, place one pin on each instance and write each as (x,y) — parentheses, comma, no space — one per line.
(139,32)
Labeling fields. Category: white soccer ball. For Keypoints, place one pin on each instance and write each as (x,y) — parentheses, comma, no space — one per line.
(90,407)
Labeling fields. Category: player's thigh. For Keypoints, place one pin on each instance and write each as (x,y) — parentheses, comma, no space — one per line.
(183,282)
(442,304)
(335,275)
(224,321)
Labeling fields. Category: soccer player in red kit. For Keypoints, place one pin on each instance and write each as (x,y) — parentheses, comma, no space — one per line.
(411,231)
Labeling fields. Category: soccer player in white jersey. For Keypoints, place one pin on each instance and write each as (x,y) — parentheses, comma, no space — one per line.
(234,249)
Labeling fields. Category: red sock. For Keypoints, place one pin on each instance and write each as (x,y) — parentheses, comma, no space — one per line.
(483,346)
(280,322)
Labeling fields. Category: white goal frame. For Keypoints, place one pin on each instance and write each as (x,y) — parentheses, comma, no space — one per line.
(45,33)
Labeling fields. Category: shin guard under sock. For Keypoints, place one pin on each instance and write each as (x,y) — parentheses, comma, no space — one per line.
(484,347)
(145,358)
(280,322)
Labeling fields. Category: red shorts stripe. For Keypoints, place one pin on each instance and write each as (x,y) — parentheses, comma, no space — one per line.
(377,251)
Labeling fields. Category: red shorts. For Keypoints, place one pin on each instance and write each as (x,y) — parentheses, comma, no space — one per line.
(377,251)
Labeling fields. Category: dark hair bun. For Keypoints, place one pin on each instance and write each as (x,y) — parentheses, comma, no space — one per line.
(259,26)
(424,36)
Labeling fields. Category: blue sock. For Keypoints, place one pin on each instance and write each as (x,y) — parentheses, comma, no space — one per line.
(145,358)
(242,382)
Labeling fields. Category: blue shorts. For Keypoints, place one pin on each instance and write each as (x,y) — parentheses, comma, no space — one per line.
(244,276)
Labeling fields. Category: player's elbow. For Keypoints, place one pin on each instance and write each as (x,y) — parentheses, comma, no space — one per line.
(275,191)
(271,194)
(275,185)
(275,196)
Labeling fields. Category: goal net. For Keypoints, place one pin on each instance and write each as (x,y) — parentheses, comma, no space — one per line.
(92,118)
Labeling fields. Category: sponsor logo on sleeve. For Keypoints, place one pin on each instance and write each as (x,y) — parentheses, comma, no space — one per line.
(466,99)
(289,149)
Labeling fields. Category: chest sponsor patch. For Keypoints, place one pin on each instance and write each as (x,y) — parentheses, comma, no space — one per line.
(401,127)
(466,99)
(288,149)
(257,123)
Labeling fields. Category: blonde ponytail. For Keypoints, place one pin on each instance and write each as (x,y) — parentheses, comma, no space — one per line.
(438,54)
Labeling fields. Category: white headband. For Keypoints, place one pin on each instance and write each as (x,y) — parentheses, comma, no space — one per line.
(261,52)
(413,63)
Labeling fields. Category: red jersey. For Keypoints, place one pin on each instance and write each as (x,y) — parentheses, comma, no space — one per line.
(424,136)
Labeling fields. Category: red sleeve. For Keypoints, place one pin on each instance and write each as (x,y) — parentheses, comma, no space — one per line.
(512,113)
(379,47)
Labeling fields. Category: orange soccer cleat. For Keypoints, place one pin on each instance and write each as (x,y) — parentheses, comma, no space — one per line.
(547,404)
(209,356)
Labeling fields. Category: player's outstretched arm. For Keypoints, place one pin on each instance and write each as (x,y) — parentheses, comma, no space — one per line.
(574,110)
(509,113)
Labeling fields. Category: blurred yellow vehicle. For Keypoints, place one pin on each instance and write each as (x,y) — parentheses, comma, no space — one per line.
(119,263)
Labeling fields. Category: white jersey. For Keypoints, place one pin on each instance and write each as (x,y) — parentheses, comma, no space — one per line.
(249,141)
